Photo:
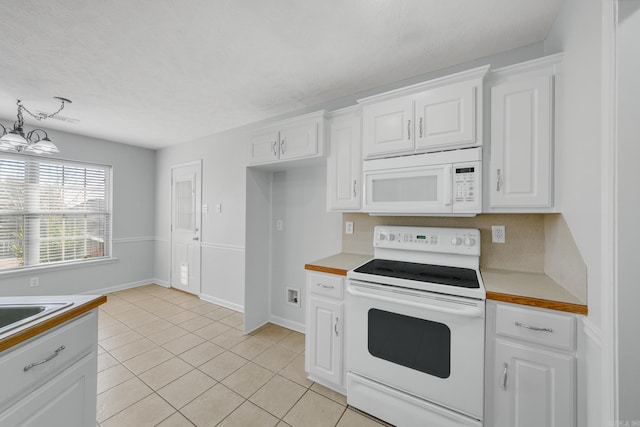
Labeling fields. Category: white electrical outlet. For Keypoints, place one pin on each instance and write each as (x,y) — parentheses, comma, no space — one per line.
(348,227)
(498,234)
(279,225)
(34,282)
(218,207)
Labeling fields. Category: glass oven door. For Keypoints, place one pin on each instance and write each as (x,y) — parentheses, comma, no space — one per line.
(426,344)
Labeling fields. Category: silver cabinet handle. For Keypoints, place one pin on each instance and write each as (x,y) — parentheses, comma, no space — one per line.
(420,127)
(533,328)
(505,373)
(46,359)
(322,285)
(195,239)
(273,147)
(282,145)
(355,185)
(498,180)
(409,129)
(335,326)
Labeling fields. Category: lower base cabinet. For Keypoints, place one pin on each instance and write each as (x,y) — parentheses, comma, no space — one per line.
(324,358)
(535,387)
(51,380)
(66,400)
(531,367)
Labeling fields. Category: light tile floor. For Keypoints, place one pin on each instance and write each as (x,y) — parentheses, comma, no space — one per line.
(169,359)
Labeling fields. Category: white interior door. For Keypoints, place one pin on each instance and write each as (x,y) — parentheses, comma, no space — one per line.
(186,201)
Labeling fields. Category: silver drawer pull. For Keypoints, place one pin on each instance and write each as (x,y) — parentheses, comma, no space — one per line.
(322,285)
(505,374)
(45,360)
(533,328)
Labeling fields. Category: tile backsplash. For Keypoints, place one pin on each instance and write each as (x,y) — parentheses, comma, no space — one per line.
(524,249)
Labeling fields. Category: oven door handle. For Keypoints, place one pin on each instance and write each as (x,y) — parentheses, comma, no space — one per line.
(466,311)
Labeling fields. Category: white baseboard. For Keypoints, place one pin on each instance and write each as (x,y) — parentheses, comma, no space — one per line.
(120,287)
(286,323)
(224,303)
(162,283)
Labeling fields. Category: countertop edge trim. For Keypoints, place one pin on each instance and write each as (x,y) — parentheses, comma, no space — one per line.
(50,323)
(329,270)
(538,302)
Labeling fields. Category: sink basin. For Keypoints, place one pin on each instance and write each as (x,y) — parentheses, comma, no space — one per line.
(15,315)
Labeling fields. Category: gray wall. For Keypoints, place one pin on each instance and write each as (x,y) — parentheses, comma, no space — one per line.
(628,207)
(309,233)
(133,224)
(223,234)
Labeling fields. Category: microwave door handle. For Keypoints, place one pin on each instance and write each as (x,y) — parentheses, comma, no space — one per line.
(448,184)
(465,310)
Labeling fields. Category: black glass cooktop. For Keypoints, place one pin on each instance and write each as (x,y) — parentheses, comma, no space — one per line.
(443,275)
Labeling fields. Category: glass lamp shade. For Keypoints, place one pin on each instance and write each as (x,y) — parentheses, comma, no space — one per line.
(14,139)
(6,146)
(44,146)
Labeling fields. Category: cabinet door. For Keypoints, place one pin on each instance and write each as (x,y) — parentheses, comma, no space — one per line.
(344,165)
(299,140)
(387,127)
(534,387)
(69,400)
(446,117)
(521,139)
(264,146)
(325,335)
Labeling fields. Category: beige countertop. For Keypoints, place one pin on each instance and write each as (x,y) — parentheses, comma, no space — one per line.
(338,264)
(80,305)
(534,289)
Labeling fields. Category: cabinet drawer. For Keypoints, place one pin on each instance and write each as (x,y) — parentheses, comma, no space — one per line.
(326,284)
(78,337)
(536,326)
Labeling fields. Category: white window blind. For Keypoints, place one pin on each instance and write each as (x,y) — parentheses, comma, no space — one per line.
(52,211)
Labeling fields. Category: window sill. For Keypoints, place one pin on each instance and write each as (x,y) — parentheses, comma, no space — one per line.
(57,267)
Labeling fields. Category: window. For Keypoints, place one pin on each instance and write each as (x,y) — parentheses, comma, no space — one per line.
(52,211)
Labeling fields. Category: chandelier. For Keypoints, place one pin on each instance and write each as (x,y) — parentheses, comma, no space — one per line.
(35,141)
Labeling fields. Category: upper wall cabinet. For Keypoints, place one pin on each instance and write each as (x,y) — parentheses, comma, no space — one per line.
(344,161)
(521,162)
(440,114)
(297,138)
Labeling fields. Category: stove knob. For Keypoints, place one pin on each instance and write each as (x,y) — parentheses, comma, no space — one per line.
(456,241)
(392,237)
(469,241)
(381,236)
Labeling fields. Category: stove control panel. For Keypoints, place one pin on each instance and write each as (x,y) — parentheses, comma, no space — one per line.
(428,239)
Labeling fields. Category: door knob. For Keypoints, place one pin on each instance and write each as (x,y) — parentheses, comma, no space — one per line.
(196,239)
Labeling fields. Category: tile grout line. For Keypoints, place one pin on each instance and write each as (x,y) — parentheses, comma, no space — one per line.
(272,343)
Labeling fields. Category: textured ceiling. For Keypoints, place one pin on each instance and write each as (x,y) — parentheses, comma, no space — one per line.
(159,72)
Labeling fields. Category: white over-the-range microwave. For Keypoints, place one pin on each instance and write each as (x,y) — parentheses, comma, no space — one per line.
(446,183)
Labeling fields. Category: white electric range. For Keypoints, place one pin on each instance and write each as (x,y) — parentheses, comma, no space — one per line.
(415,328)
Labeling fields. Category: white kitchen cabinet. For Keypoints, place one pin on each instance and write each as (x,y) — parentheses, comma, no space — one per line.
(521,165)
(441,114)
(60,388)
(387,127)
(344,162)
(531,378)
(63,401)
(297,138)
(447,117)
(324,354)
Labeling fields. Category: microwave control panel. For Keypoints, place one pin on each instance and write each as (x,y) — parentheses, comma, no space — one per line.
(466,185)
